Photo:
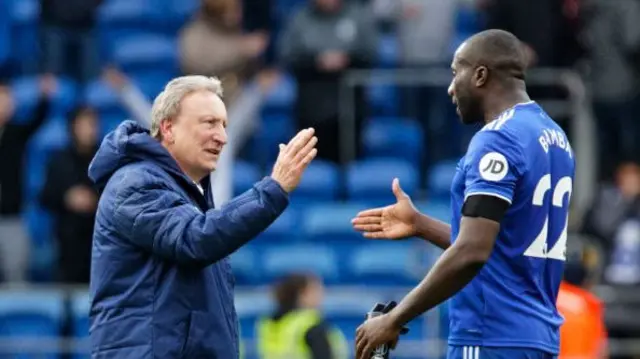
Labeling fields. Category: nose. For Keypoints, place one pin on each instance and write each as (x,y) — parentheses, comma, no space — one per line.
(450,89)
(220,136)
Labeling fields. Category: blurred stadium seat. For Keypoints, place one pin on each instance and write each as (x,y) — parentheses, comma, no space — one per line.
(439,179)
(320,183)
(370,179)
(32,315)
(245,175)
(331,222)
(280,260)
(145,51)
(394,137)
(387,263)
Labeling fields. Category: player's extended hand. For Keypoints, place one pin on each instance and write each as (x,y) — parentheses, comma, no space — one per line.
(374,332)
(294,158)
(391,222)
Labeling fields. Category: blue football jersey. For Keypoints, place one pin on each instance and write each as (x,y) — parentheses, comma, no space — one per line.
(523,157)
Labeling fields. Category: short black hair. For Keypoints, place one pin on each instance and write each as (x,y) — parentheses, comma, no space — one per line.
(498,50)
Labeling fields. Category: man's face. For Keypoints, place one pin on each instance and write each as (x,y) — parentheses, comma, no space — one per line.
(463,91)
(197,135)
(7,105)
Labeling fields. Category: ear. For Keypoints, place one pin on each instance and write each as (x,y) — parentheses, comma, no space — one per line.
(481,76)
(166,130)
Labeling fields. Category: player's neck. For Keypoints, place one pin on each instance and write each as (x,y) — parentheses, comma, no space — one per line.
(503,102)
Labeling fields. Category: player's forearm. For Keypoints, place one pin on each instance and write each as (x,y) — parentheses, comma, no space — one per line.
(453,270)
(434,231)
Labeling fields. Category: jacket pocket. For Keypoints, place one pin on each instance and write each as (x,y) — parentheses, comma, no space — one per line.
(208,338)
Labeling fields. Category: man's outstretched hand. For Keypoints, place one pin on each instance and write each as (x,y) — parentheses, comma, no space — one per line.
(294,158)
(396,221)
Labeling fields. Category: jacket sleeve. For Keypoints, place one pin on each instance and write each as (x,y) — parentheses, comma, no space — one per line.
(163,222)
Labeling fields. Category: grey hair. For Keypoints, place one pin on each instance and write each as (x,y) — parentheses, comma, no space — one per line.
(167,104)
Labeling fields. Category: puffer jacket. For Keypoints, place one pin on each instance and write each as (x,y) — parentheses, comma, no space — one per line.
(161,286)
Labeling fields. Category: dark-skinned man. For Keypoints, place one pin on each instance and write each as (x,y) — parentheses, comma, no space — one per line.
(505,249)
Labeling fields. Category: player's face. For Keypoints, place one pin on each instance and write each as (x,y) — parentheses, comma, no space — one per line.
(198,133)
(463,92)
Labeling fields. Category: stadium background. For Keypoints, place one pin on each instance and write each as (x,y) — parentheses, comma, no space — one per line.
(401,124)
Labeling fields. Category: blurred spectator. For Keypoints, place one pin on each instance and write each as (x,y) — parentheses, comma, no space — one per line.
(322,40)
(425,29)
(213,45)
(69,41)
(613,38)
(68,194)
(14,246)
(614,219)
(548,28)
(258,17)
(297,329)
(130,95)
(583,333)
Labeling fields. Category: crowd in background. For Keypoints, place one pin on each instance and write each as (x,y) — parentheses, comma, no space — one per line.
(243,43)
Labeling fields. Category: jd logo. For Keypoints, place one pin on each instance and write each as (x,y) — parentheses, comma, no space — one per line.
(493,166)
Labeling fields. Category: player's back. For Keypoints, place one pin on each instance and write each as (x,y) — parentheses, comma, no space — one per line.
(525,158)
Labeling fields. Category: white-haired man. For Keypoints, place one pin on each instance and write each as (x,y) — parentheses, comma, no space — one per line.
(161,286)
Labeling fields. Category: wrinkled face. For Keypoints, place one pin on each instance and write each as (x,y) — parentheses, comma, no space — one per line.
(198,133)
(7,105)
(464,88)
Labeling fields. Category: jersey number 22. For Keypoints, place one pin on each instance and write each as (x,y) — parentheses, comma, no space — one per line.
(539,246)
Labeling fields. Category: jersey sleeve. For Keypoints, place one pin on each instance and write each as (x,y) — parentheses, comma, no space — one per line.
(493,164)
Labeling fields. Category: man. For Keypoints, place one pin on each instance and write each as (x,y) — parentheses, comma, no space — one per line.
(504,252)
(161,285)
(583,335)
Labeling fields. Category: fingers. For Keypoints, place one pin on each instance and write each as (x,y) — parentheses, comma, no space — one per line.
(397,190)
(375,212)
(375,235)
(366,220)
(369,228)
(303,154)
(299,141)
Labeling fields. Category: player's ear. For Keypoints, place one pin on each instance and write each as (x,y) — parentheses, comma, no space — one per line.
(481,76)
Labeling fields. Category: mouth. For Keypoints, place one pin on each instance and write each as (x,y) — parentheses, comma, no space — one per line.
(213,151)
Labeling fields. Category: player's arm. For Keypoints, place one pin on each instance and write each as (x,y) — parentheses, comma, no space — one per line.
(434,231)
(461,262)
(493,165)
(158,219)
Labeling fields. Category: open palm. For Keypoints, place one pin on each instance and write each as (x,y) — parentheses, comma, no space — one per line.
(395,221)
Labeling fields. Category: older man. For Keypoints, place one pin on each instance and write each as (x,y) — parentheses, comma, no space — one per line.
(161,286)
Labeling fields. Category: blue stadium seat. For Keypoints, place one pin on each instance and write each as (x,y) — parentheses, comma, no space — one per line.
(384,100)
(146,51)
(245,175)
(33,315)
(251,305)
(275,128)
(439,179)
(394,137)
(151,81)
(388,51)
(388,263)
(438,209)
(282,96)
(346,309)
(284,229)
(244,264)
(331,222)
(320,183)
(280,260)
(118,19)
(79,315)
(102,97)
(26,91)
(370,179)
(25,47)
